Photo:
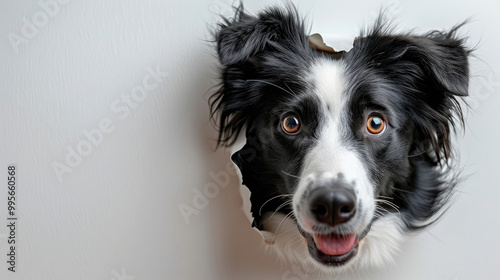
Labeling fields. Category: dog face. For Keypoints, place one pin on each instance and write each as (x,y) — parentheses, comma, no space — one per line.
(345,153)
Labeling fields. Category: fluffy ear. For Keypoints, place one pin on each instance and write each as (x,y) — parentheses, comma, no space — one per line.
(240,38)
(441,57)
(431,71)
(243,37)
(256,53)
(445,58)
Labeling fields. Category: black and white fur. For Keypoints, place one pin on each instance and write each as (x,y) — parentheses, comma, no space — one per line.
(401,178)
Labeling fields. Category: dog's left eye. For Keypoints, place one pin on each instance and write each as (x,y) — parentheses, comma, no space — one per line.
(375,124)
(290,124)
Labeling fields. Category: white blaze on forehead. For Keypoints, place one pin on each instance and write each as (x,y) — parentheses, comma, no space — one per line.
(332,154)
(327,77)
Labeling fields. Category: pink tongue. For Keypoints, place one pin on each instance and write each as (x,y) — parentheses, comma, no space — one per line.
(335,245)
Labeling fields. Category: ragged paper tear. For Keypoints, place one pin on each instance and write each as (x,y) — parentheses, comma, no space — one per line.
(245,196)
(323,44)
(316,41)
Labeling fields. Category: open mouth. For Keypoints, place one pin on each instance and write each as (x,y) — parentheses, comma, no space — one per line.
(332,249)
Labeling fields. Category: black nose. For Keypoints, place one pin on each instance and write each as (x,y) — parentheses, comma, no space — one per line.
(332,205)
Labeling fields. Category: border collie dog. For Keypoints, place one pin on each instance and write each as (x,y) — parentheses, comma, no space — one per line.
(343,152)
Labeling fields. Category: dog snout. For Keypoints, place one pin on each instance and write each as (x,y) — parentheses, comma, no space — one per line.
(332,204)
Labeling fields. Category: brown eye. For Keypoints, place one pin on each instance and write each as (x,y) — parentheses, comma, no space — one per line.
(290,124)
(375,124)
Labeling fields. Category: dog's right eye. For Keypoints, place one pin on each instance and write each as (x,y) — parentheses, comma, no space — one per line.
(375,124)
(290,124)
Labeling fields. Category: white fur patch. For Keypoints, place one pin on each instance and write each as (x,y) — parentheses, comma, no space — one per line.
(281,232)
(327,76)
(382,242)
(332,156)
(377,249)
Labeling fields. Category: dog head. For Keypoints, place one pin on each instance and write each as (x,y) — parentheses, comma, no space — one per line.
(344,154)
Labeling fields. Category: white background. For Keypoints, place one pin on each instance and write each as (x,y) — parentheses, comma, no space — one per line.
(116,214)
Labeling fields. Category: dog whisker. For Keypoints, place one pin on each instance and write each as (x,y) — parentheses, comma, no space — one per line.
(416,155)
(405,191)
(290,90)
(282,221)
(278,196)
(288,174)
(279,208)
(307,270)
(388,203)
(290,244)
(285,232)
(272,84)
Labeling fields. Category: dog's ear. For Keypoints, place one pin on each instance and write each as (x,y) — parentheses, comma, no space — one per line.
(256,53)
(432,72)
(440,57)
(443,60)
(240,38)
(444,57)
(243,37)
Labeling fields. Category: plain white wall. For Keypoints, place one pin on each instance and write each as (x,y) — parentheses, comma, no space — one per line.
(135,76)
